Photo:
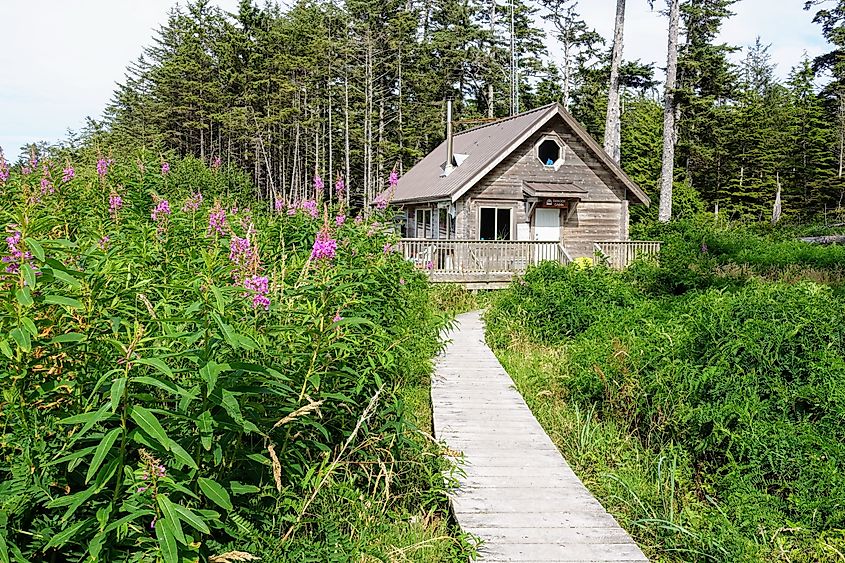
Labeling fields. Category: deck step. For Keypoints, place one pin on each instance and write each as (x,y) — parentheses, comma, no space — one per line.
(515,491)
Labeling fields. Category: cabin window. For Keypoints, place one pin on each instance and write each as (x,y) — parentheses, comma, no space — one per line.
(548,152)
(494,223)
(424,224)
(445,224)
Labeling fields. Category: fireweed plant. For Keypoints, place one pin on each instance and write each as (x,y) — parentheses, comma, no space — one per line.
(179,381)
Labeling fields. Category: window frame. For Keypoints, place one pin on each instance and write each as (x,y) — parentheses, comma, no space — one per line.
(561,152)
(496,209)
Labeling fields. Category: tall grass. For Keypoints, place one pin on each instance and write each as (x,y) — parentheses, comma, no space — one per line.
(712,420)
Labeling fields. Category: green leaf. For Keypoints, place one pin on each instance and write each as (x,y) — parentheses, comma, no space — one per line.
(169,513)
(149,424)
(167,541)
(218,296)
(209,373)
(24,296)
(191,518)
(88,417)
(62,537)
(117,389)
(182,455)
(62,300)
(215,492)
(230,403)
(163,385)
(241,489)
(67,278)
(27,324)
(156,363)
(6,349)
(102,450)
(28,275)
(68,338)
(70,457)
(4,551)
(36,248)
(228,334)
(128,518)
(21,337)
(205,425)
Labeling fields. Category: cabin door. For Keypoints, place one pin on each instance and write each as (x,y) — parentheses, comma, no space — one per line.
(547,224)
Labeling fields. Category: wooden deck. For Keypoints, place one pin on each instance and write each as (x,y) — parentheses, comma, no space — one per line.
(483,264)
(518,494)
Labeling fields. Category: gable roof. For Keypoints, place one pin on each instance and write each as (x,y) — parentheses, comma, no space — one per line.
(485,147)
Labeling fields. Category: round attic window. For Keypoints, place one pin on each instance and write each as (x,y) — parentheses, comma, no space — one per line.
(549,152)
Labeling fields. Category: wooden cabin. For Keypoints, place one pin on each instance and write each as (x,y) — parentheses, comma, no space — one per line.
(511,192)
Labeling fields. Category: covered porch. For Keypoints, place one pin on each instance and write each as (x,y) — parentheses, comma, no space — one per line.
(485,264)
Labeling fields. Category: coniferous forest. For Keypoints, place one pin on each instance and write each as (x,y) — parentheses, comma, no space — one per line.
(354,89)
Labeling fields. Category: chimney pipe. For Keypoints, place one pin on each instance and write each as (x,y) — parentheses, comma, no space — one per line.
(450,141)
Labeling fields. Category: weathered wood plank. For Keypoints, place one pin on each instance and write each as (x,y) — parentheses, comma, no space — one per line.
(516,492)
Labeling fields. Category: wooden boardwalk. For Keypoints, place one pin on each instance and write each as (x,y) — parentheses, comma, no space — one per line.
(518,494)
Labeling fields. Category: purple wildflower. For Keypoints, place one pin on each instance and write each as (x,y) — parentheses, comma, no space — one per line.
(160,214)
(339,186)
(429,265)
(325,247)
(103,243)
(47,186)
(103,166)
(153,523)
(291,211)
(16,256)
(142,489)
(318,184)
(388,248)
(193,203)
(704,248)
(115,203)
(340,220)
(278,205)
(394,179)
(165,168)
(381,203)
(4,169)
(217,220)
(244,257)
(310,206)
(401,281)
(337,318)
(68,174)
(359,219)
(260,286)
(215,164)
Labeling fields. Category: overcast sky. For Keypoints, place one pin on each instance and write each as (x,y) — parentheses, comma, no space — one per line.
(60,59)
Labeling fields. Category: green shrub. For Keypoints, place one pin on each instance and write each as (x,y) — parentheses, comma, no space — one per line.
(153,408)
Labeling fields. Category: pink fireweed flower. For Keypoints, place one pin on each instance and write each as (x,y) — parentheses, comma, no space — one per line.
(381,203)
(165,168)
(215,164)
(160,214)
(47,186)
(359,219)
(244,257)
(193,203)
(388,248)
(16,257)
(310,207)
(217,221)
(278,205)
(325,247)
(339,186)
(429,265)
(115,203)
(260,287)
(319,186)
(401,281)
(68,174)
(393,180)
(103,166)
(4,169)
(340,220)
(337,318)
(103,243)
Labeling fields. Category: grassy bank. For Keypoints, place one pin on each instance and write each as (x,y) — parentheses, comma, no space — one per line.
(709,420)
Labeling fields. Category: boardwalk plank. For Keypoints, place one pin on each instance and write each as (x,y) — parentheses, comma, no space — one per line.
(515,491)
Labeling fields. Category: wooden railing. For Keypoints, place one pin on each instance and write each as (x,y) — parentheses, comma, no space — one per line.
(621,254)
(460,260)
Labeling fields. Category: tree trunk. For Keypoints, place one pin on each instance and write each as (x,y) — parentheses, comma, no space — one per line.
(667,171)
(613,122)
